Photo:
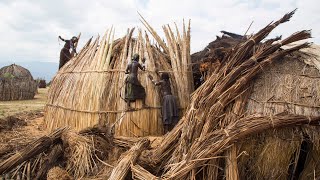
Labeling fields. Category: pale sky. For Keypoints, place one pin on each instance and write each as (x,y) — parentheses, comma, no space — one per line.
(29,29)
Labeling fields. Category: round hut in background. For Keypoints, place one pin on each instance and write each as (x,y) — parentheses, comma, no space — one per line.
(16,83)
(89,89)
(42,83)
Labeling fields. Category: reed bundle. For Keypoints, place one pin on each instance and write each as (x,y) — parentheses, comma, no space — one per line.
(33,149)
(123,165)
(49,161)
(58,173)
(79,154)
(140,173)
(89,89)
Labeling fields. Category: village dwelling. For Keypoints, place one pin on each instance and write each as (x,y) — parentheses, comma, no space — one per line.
(16,83)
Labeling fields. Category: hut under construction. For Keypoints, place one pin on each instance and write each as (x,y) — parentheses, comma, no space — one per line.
(16,83)
(89,89)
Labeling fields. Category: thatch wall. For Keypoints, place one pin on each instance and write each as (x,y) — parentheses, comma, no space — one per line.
(287,86)
(16,83)
(89,89)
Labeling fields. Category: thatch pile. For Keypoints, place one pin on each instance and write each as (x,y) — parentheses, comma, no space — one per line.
(16,83)
(219,136)
(89,89)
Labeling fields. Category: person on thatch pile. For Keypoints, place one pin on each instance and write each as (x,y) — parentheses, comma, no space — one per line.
(170,111)
(65,54)
(133,88)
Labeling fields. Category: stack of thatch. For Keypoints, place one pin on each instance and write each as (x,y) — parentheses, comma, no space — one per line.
(16,83)
(89,89)
(218,137)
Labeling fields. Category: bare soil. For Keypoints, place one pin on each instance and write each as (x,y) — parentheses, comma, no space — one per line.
(8,108)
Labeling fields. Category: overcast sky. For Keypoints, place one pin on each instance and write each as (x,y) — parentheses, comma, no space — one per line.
(29,29)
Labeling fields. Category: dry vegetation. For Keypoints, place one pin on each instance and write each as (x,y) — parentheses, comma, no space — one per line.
(8,108)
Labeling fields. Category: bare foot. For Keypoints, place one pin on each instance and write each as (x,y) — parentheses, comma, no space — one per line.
(129,109)
(145,106)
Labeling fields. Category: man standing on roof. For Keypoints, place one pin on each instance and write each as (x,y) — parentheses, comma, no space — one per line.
(170,111)
(133,88)
(65,54)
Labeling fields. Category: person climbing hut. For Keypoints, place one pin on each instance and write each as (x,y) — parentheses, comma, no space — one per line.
(170,111)
(133,88)
(65,54)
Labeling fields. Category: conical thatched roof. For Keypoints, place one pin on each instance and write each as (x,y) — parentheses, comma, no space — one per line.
(16,83)
(16,71)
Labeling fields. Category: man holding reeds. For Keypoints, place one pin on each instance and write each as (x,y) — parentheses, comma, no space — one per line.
(133,88)
(65,54)
(170,111)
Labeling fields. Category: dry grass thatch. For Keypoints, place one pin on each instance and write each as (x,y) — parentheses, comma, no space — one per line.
(16,83)
(89,89)
(79,154)
(58,173)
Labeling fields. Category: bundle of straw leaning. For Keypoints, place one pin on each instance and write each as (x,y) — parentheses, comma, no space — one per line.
(34,148)
(129,157)
(79,153)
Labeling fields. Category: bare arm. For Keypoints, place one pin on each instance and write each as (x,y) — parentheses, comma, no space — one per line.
(127,69)
(156,83)
(74,48)
(62,39)
(141,67)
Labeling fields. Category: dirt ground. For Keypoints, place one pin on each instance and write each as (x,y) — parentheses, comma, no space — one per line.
(8,108)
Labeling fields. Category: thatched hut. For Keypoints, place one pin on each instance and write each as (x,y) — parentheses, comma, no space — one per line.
(42,83)
(90,88)
(16,83)
(290,85)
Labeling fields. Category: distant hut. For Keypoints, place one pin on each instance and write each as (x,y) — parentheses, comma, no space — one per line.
(42,83)
(16,83)
(89,89)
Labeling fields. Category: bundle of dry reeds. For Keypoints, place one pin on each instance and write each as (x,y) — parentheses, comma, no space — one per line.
(89,89)
(79,153)
(130,157)
(31,150)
